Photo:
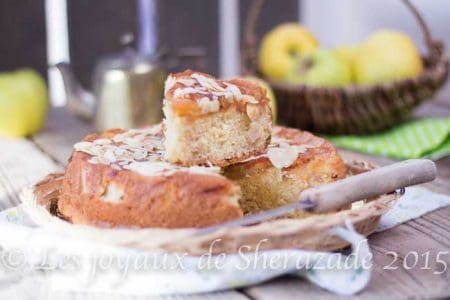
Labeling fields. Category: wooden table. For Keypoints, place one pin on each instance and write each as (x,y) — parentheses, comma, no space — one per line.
(23,161)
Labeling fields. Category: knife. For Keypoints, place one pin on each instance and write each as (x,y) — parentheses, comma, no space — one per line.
(335,195)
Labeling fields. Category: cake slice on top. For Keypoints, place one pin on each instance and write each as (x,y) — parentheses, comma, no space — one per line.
(210,121)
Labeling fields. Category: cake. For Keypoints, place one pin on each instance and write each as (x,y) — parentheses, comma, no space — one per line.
(121,179)
(294,161)
(215,158)
(216,122)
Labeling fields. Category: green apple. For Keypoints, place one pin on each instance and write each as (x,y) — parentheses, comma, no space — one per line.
(281,47)
(385,56)
(23,102)
(347,53)
(320,68)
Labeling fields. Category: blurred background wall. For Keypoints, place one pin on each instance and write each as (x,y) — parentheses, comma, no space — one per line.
(22,31)
(347,21)
(95,28)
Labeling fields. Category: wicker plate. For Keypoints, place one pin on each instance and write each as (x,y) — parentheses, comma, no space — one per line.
(311,233)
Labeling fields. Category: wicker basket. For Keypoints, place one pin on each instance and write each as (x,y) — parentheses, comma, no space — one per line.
(354,109)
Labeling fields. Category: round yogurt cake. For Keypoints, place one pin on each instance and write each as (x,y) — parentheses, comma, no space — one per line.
(122,179)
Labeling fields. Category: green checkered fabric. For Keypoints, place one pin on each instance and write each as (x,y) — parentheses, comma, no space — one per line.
(428,138)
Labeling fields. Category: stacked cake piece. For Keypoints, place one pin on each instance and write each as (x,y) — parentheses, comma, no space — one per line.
(211,121)
(215,158)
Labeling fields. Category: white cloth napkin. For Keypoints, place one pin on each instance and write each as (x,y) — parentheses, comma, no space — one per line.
(79,265)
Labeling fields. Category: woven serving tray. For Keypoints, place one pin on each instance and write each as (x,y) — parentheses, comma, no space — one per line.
(311,233)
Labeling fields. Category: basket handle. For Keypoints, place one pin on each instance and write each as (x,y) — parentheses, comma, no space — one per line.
(250,47)
(249,52)
(429,41)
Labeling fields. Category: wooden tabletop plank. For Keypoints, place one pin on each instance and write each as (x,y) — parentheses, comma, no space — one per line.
(21,163)
(34,287)
(390,248)
(397,249)
(60,133)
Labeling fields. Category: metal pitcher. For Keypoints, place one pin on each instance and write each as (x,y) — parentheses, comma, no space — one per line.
(128,91)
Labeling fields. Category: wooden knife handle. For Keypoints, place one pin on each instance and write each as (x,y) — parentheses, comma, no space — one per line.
(376,182)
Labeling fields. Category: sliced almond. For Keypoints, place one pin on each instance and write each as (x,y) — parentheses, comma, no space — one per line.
(282,157)
(208,105)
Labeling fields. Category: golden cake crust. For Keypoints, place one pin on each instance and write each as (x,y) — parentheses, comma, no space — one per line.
(313,146)
(102,195)
(191,93)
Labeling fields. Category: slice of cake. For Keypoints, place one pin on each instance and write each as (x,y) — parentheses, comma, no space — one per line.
(294,161)
(210,121)
(121,179)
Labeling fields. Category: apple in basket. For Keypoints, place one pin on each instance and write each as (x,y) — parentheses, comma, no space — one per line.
(320,68)
(281,47)
(385,56)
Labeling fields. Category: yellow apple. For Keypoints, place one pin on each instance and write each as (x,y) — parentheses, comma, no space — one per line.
(270,95)
(321,68)
(23,103)
(385,56)
(281,47)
